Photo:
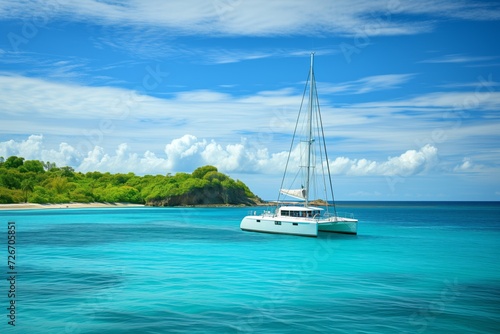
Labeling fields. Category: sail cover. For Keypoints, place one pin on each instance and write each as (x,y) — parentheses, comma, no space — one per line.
(295,193)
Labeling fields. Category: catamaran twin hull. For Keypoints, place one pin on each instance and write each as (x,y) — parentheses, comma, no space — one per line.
(299,226)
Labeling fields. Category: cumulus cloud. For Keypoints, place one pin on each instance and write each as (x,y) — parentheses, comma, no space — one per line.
(33,148)
(183,152)
(411,162)
(189,152)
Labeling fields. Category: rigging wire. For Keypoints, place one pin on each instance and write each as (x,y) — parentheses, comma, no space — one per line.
(293,140)
(326,156)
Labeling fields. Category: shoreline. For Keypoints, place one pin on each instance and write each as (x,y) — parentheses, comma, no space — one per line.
(76,205)
(36,206)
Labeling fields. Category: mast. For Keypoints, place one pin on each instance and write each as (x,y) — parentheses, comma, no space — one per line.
(310,131)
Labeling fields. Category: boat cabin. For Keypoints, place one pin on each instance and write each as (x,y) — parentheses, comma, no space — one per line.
(299,212)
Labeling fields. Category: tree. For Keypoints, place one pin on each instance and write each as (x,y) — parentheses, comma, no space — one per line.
(59,184)
(93,175)
(41,195)
(67,171)
(10,178)
(127,194)
(201,171)
(13,162)
(120,179)
(27,186)
(34,166)
(214,175)
(5,196)
(49,165)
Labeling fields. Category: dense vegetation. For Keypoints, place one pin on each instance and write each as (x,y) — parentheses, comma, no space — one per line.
(42,182)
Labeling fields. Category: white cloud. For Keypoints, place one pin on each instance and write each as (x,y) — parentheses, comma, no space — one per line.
(202,95)
(24,95)
(225,56)
(258,17)
(103,116)
(411,162)
(185,149)
(458,58)
(483,83)
(367,84)
(188,152)
(468,166)
(122,161)
(106,117)
(33,148)
(260,169)
(219,56)
(483,98)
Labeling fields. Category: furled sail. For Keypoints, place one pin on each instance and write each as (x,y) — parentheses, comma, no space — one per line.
(295,193)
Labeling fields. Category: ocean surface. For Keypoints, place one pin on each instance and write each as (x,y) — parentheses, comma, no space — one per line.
(415,267)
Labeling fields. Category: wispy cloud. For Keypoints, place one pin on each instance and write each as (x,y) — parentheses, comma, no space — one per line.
(121,130)
(484,84)
(102,115)
(225,55)
(259,17)
(60,68)
(458,58)
(152,43)
(99,115)
(368,84)
(484,98)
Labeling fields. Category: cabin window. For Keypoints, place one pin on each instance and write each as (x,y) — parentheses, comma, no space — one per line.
(277,223)
(285,213)
(258,220)
(295,224)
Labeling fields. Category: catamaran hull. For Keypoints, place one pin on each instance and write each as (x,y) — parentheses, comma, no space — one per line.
(343,225)
(279,226)
(298,226)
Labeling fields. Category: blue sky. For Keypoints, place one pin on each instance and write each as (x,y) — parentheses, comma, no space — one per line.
(409,90)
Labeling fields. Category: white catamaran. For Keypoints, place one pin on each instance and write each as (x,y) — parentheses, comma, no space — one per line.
(302,218)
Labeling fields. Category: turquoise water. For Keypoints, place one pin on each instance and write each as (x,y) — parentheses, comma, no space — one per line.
(414,268)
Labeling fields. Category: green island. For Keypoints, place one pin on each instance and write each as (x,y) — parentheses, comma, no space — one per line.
(33,181)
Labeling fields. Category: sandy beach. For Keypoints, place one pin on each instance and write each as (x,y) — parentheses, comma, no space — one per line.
(34,206)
